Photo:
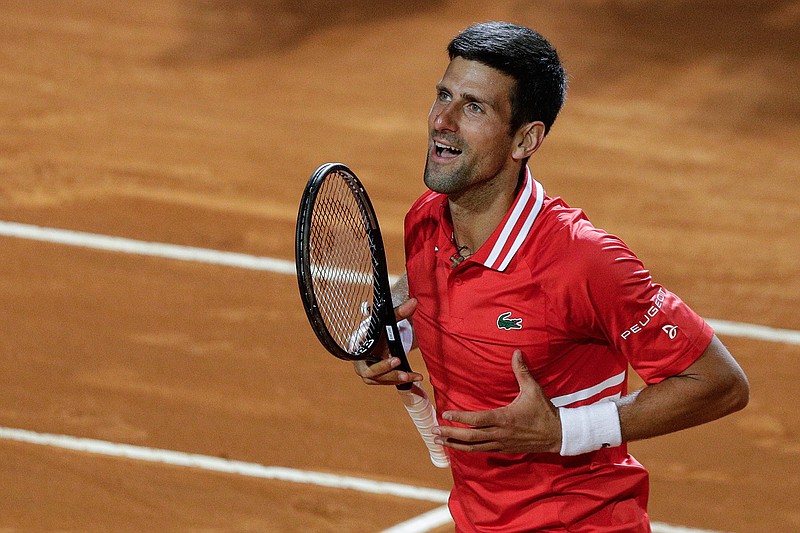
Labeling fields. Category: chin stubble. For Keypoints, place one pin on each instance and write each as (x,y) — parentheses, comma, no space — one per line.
(443,182)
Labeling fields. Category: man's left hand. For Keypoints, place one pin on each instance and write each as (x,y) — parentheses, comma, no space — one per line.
(529,424)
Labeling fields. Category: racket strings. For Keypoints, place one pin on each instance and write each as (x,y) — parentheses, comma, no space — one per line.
(342,270)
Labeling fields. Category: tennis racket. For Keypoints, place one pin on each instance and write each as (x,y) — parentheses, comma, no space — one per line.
(344,283)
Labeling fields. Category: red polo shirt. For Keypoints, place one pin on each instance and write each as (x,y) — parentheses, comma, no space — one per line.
(581,307)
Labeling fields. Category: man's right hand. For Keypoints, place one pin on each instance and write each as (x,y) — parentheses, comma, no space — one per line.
(384,371)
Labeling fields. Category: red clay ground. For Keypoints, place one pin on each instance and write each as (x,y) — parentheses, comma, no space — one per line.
(198,123)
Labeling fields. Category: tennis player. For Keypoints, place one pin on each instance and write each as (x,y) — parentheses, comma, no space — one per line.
(527,316)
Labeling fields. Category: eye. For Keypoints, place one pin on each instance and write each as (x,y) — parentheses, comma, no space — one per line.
(443,96)
(473,107)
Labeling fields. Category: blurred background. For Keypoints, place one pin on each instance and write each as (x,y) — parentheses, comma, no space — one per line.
(198,122)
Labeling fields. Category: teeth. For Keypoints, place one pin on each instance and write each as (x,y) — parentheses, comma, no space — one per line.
(441,146)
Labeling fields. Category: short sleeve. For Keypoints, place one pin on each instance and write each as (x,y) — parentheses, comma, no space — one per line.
(615,299)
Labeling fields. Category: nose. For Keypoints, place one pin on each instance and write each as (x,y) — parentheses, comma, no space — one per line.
(442,117)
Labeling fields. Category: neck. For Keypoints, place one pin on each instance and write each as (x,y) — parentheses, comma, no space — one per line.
(477,212)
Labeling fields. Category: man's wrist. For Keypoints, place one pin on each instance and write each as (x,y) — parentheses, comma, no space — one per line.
(589,428)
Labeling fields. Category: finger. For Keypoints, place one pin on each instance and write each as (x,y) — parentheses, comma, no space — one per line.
(394,378)
(527,383)
(465,439)
(481,446)
(472,418)
(369,370)
(383,372)
(520,368)
(465,435)
(405,309)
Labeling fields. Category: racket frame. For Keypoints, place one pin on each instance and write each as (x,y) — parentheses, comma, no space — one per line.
(383,310)
(414,397)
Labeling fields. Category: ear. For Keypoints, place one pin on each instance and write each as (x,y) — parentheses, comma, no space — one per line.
(528,139)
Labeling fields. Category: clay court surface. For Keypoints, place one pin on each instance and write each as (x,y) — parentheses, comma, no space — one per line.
(197,123)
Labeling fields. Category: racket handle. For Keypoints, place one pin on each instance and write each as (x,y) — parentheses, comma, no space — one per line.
(421,411)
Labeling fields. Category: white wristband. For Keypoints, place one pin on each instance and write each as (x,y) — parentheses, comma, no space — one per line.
(406,334)
(589,428)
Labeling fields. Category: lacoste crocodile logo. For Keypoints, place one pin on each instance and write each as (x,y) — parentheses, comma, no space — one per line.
(504,321)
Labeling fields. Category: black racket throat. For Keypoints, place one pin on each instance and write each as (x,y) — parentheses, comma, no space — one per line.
(396,348)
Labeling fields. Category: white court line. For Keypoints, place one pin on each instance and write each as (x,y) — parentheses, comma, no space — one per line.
(420,524)
(282,266)
(152,249)
(425,522)
(753,331)
(659,527)
(217,464)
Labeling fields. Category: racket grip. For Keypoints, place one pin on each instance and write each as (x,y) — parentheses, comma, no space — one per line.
(421,411)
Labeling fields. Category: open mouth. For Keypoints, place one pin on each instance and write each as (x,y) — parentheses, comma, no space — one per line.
(445,150)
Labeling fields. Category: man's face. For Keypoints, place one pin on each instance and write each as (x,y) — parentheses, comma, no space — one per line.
(469,138)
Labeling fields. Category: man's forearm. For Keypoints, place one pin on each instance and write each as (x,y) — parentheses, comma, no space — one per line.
(712,387)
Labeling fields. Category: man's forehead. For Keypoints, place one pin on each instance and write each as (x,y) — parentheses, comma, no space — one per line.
(478,79)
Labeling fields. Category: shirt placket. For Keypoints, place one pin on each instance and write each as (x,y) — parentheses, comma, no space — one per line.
(457,297)
(452,278)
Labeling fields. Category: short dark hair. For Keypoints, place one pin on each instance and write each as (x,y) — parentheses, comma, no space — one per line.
(526,56)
